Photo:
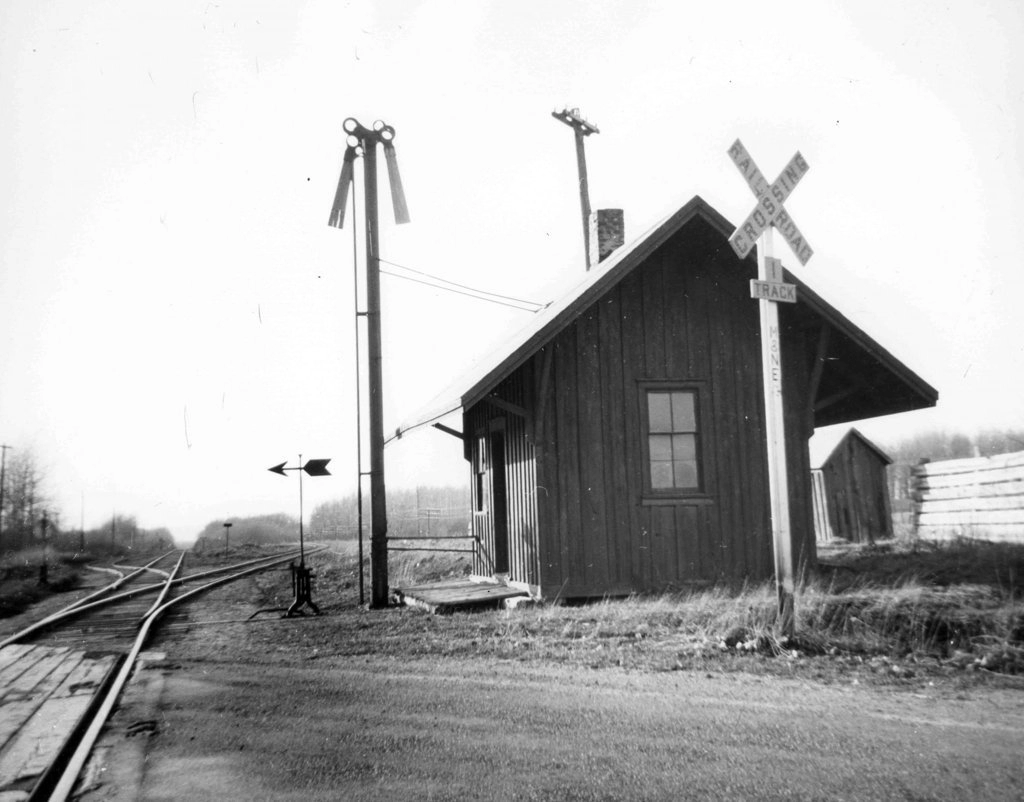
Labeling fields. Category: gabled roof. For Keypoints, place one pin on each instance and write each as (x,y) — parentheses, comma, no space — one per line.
(824,444)
(486,373)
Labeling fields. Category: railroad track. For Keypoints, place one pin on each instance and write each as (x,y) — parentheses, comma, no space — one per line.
(61,677)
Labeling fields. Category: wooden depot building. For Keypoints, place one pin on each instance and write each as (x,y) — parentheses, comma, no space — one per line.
(617,443)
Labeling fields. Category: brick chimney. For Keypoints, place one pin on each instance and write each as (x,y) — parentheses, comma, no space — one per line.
(607,232)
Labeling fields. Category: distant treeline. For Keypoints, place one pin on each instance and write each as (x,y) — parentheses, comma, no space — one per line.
(254,530)
(941,445)
(936,446)
(426,511)
(119,535)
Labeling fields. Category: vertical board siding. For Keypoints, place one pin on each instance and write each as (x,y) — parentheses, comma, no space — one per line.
(567,451)
(475,427)
(579,524)
(857,492)
(724,390)
(613,433)
(685,315)
(520,482)
(822,529)
(796,379)
(636,540)
(548,487)
(593,489)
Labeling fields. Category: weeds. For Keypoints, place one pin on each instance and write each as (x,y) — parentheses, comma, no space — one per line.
(21,584)
(955,603)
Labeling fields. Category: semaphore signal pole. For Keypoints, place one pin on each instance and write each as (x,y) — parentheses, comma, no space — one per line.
(366,140)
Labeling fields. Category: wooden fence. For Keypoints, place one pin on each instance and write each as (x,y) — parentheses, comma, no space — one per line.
(981,497)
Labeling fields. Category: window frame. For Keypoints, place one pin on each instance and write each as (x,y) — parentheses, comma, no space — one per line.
(702,493)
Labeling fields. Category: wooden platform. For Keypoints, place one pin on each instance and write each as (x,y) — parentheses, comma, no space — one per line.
(455,594)
(43,693)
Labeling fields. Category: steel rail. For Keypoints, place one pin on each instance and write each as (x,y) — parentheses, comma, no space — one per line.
(163,593)
(117,582)
(72,611)
(66,784)
(146,567)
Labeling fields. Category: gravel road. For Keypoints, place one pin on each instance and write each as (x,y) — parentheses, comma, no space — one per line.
(354,728)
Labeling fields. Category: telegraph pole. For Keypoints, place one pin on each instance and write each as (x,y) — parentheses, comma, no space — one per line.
(44,525)
(581,128)
(3,466)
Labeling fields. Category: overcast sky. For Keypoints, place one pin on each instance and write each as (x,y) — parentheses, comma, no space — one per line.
(177,317)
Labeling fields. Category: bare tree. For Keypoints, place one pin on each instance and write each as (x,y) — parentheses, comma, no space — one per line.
(25,500)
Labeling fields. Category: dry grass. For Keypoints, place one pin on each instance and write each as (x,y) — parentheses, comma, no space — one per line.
(20,580)
(956,603)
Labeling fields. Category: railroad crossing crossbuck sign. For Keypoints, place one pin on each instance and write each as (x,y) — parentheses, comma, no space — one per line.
(769,210)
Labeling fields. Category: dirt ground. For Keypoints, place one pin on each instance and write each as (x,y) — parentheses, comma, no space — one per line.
(359,704)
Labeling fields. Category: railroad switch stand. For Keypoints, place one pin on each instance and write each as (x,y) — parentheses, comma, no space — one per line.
(302,588)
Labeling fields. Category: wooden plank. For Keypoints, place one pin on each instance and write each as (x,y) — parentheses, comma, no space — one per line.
(617,480)
(446,597)
(546,475)
(527,481)
(972,518)
(10,654)
(797,378)
(570,552)
(37,674)
(989,490)
(21,665)
(593,488)
(751,517)
(663,547)
(721,443)
(755,520)
(974,504)
(634,368)
(971,464)
(822,528)
(998,533)
(32,748)
(688,526)
(988,476)
(15,710)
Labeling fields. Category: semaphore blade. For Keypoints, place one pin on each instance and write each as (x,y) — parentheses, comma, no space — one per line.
(337,218)
(397,193)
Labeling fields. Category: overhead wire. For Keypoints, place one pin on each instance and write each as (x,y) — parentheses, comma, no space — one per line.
(471,292)
(460,292)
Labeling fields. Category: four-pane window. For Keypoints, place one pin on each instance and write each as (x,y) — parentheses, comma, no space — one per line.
(672,440)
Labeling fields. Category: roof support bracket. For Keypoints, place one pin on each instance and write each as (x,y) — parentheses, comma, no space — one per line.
(507,406)
(820,354)
(449,430)
(835,398)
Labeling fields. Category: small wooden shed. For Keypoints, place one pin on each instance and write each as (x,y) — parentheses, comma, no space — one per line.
(851,488)
(617,443)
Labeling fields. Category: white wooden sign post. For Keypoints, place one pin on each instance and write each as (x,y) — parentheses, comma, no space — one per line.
(770,289)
